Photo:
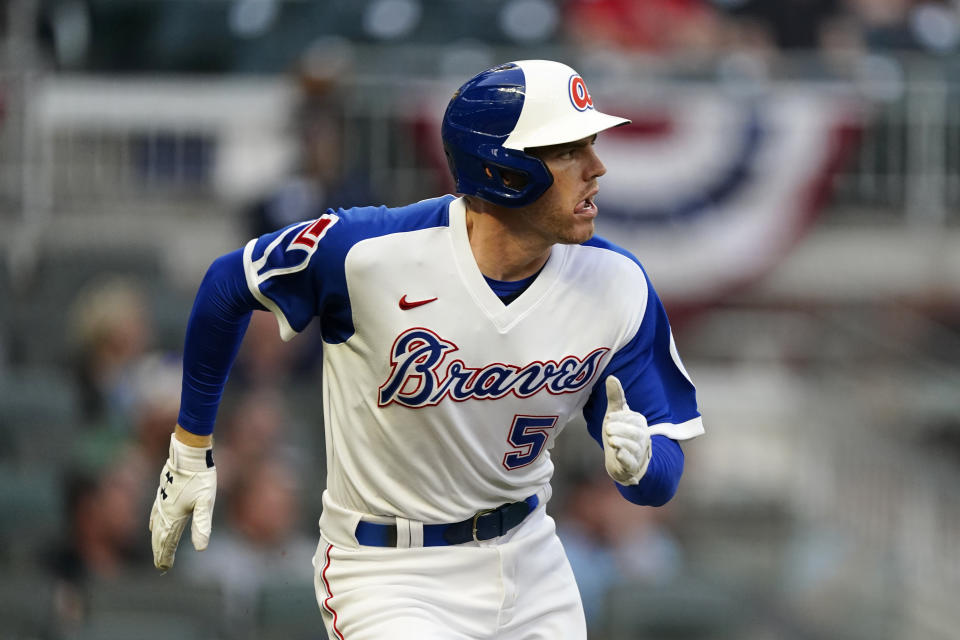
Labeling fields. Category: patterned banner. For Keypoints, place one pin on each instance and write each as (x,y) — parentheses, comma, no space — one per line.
(711,190)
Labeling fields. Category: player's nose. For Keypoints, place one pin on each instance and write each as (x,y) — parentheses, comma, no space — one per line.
(594,167)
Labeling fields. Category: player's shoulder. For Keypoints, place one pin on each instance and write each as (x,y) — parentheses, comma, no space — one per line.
(348,227)
(333,234)
(371,221)
(606,255)
(605,275)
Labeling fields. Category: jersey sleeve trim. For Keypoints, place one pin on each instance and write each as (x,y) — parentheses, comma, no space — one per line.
(683,431)
(250,271)
(676,359)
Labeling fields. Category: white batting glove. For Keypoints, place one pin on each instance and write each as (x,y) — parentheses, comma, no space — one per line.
(626,438)
(188,486)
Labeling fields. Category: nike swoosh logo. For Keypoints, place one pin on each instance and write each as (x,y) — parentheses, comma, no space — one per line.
(407,305)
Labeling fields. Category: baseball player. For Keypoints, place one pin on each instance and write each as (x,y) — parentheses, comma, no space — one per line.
(460,335)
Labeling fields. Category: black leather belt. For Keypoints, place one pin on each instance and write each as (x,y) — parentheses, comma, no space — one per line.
(484,525)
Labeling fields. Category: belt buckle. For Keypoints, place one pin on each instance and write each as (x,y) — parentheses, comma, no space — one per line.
(475,517)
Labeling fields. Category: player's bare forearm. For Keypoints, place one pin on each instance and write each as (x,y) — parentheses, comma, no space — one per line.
(192,439)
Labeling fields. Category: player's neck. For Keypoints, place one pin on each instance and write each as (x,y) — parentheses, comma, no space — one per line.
(502,250)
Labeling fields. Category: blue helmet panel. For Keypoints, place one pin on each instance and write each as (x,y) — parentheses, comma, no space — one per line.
(479,118)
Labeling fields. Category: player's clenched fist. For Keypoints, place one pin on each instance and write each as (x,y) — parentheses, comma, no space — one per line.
(188,485)
(626,439)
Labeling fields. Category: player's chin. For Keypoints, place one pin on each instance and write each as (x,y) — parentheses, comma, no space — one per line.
(579,232)
(587,215)
(583,224)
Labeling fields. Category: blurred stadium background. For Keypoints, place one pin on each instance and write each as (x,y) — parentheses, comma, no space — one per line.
(791,182)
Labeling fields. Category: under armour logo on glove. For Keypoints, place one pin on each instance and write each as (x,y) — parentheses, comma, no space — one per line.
(169,478)
(163,493)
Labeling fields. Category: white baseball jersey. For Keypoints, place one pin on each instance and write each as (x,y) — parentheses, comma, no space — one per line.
(439,400)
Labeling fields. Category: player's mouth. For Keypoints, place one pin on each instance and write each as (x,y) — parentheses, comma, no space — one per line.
(587,206)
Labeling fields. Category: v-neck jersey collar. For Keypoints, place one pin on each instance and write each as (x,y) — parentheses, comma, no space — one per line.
(503,316)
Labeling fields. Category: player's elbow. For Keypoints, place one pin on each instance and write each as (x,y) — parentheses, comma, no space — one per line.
(652,493)
(662,478)
(223,293)
(224,271)
(665,493)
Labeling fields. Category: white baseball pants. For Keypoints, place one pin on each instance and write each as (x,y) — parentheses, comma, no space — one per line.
(516,587)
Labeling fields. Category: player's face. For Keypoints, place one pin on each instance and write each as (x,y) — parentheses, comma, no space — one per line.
(565,212)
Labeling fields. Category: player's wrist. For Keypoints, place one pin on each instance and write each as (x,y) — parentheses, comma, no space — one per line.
(192,439)
(184,457)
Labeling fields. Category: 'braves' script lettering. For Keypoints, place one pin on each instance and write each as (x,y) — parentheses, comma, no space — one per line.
(416,379)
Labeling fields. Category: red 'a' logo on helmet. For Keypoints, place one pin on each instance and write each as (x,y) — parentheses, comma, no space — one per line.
(579,95)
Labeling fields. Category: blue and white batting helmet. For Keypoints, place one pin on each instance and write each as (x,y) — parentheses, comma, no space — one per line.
(498,114)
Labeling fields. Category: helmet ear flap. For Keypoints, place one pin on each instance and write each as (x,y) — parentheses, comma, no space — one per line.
(504,177)
(511,179)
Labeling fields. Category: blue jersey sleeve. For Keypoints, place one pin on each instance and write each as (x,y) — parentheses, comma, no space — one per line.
(656,385)
(218,321)
(662,478)
(297,272)
(270,273)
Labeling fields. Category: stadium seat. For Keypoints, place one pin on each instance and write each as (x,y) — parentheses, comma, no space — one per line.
(139,626)
(683,610)
(26,604)
(38,415)
(30,511)
(149,591)
(289,612)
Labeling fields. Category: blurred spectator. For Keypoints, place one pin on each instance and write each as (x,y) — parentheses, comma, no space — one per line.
(253,431)
(264,360)
(322,177)
(156,403)
(104,534)
(262,544)
(790,24)
(653,26)
(112,329)
(608,542)
(926,25)
(834,25)
(884,22)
